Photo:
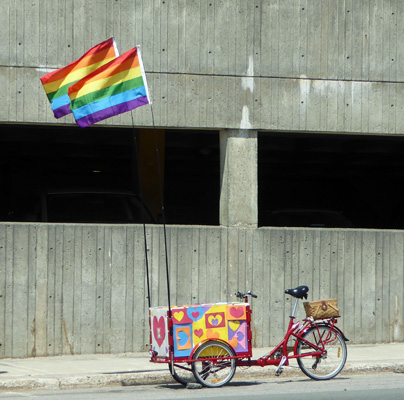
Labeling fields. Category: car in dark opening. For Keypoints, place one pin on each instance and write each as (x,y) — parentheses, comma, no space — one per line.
(313,218)
(93,206)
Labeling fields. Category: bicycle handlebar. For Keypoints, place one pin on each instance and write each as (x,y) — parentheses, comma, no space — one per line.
(242,295)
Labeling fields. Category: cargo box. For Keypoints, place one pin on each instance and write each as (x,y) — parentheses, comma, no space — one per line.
(194,324)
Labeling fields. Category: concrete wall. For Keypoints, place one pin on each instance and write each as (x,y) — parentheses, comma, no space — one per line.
(283,65)
(75,289)
(328,66)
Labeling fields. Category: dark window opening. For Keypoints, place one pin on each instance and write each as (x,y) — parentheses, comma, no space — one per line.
(192,177)
(37,158)
(319,180)
(67,174)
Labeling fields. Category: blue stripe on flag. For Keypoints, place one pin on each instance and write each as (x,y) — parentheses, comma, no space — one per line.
(60,101)
(111,101)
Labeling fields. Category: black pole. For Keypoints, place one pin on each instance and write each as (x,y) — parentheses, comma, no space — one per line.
(162,212)
(142,210)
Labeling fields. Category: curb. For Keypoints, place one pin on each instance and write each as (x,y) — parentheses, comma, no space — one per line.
(164,377)
(87,381)
(265,373)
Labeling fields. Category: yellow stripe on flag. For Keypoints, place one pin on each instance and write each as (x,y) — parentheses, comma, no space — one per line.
(106,82)
(74,76)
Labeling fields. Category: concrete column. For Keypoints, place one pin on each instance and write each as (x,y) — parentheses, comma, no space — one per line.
(239,178)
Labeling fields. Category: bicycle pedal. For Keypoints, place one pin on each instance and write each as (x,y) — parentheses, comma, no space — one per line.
(278,372)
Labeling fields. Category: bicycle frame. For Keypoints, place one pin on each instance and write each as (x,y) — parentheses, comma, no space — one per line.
(296,330)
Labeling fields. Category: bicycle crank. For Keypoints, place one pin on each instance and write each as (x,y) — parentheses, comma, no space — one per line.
(279,370)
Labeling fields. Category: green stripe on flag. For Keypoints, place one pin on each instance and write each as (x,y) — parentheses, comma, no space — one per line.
(60,92)
(106,92)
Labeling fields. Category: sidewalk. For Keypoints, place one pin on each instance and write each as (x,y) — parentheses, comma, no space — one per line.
(135,369)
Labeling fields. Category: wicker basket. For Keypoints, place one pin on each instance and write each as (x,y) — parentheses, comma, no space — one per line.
(322,309)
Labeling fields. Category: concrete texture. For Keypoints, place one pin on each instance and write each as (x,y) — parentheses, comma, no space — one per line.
(234,64)
(239,178)
(265,65)
(80,289)
(136,369)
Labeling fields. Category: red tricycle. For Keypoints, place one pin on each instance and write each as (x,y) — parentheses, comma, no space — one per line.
(206,342)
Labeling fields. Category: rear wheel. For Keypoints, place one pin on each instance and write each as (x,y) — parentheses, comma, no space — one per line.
(327,365)
(182,373)
(213,366)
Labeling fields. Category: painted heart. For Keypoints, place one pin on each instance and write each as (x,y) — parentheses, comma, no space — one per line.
(215,320)
(212,335)
(195,313)
(159,330)
(233,342)
(179,315)
(199,332)
(234,325)
(242,344)
(237,312)
(182,338)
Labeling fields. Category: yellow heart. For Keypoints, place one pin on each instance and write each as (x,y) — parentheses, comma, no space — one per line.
(217,317)
(234,325)
(179,315)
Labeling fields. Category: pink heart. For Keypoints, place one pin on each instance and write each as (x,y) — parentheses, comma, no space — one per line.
(199,332)
(159,330)
(195,314)
(237,312)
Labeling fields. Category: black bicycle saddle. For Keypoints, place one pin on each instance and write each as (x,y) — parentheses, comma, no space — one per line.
(300,292)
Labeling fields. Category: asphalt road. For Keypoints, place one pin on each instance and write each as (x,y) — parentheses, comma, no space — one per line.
(386,386)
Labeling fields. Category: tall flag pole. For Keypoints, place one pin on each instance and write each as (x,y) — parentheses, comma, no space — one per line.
(115,88)
(56,83)
(100,85)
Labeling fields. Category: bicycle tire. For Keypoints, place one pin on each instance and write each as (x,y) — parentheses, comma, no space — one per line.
(326,366)
(208,370)
(182,373)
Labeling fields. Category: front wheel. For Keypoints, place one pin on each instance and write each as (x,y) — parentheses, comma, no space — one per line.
(327,365)
(213,366)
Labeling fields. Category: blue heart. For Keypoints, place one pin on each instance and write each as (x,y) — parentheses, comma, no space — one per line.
(195,313)
(183,338)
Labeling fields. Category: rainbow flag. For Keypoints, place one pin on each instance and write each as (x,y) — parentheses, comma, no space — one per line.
(112,89)
(56,83)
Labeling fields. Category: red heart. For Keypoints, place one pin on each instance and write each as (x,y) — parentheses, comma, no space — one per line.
(237,312)
(199,332)
(159,330)
(195,314)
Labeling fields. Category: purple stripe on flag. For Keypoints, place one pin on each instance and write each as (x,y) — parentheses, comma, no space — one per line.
(111,111)
(62,111)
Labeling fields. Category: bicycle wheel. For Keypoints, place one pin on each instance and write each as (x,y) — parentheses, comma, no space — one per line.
(327,365)
(182,373)
(211,371)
